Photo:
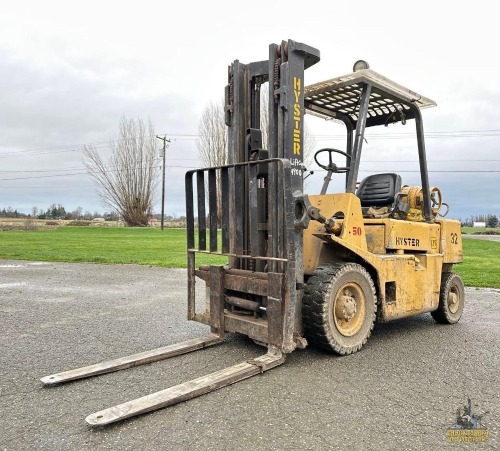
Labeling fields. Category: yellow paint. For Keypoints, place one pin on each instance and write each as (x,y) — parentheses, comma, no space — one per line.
(406,257)
(350,229)
(451,240)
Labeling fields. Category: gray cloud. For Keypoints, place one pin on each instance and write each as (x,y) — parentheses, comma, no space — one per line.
(70,72)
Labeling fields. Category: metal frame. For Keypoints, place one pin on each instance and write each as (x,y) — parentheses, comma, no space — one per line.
(260,234)
(242,283)
(365,99)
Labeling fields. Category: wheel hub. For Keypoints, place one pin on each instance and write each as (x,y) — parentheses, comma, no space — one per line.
(348,312)
(453,301)
(345,307)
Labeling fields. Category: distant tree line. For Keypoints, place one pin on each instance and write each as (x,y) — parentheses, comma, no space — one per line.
(489,220)
(10,213)
(57,211)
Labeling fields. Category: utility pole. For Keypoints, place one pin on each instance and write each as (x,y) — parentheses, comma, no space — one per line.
(165,141)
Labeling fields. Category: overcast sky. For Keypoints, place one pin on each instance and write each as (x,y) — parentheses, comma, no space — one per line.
(70,70)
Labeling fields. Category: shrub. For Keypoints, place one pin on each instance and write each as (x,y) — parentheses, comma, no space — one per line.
(80,223)
(489,232)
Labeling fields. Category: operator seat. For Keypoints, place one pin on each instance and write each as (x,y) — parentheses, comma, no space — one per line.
(379,190)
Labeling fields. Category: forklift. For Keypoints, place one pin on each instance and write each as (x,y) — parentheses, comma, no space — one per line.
(303,269)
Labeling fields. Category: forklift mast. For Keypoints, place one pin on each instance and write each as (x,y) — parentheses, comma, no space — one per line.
(258,200)
(284,71)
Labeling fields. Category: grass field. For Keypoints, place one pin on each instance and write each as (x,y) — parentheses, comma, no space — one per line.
(481,266)
(143,246)
(480,230)
(167,248)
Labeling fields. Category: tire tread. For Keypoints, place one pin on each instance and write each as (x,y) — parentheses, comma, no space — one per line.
(315,306)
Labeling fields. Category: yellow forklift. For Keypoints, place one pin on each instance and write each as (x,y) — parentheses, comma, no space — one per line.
(381,250)
(320,269)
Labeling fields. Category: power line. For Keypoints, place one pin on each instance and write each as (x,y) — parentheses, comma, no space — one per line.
(191,137)
(98,144)
(70,148)
(81,168)
(84,173)
(49,187)
(191,167)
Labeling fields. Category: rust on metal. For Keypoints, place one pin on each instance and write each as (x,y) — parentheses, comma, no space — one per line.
(186,390)
(130,361)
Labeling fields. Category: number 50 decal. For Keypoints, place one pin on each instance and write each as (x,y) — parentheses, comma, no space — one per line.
(356,230)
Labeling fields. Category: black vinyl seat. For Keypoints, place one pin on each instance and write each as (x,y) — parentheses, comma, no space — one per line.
(379,190)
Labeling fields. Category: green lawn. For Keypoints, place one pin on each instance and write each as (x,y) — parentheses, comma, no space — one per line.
(151,246)
(481,266)
(480,230)
(143,246)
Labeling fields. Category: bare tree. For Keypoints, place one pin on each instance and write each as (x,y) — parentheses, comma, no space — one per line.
(126,182)
(212,131)
(212,143)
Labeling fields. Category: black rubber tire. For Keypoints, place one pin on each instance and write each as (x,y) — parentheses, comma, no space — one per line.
(321,326)
(451,284)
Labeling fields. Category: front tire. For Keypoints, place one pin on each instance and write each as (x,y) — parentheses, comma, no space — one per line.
(451,299)
(339,307)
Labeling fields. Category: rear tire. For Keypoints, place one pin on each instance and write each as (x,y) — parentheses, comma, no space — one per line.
(451,299)
(339,307)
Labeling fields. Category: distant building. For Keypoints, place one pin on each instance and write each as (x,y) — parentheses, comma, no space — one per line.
(98,219)
(478,224)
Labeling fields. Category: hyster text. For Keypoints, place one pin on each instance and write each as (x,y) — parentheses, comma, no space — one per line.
(413,242)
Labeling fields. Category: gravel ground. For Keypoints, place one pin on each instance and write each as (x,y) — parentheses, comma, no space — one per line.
(400,392)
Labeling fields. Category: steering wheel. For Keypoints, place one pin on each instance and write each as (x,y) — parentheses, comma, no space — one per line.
(331,165)
(436,201)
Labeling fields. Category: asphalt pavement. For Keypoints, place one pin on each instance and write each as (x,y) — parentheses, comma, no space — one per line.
(401,392)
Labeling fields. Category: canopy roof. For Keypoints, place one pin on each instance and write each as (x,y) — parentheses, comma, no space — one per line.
(339,98)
